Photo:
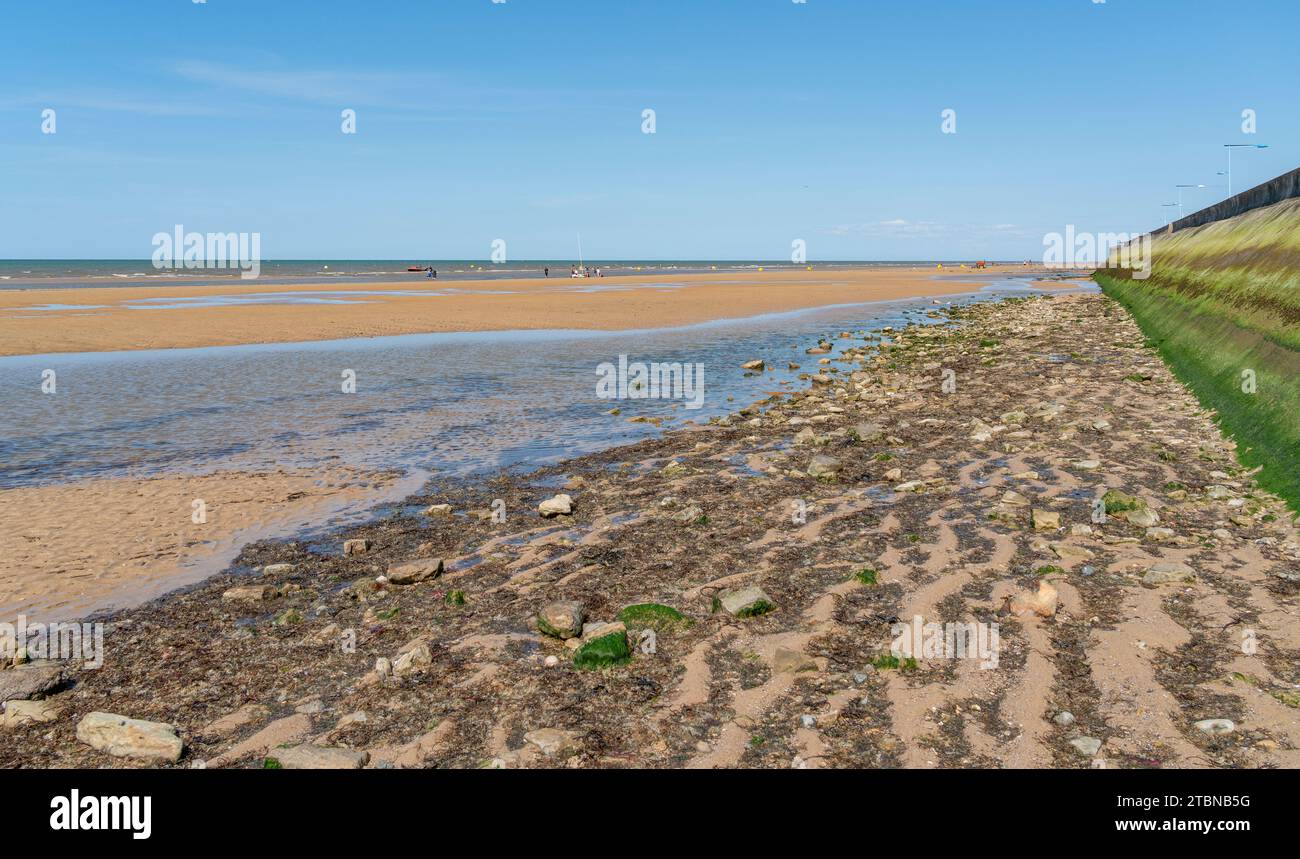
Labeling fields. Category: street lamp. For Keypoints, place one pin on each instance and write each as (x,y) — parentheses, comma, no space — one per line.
(1232,146)
(1180,197)
(1167,206)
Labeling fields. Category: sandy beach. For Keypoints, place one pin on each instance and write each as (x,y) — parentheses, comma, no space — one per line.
(750,634)
(119,318)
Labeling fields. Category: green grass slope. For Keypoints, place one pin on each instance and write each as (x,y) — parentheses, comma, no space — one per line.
(1222,306)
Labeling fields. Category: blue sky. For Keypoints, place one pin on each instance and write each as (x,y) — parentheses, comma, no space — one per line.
(522,120)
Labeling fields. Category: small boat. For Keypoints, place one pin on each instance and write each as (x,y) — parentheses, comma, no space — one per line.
(581,270)
(416,268)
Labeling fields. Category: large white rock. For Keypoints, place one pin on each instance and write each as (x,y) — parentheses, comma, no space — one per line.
(19,712)
(560,505)
(124,737)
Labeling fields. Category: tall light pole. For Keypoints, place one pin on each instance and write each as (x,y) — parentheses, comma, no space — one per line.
(1167,206)
(1232,146)
(1180,197)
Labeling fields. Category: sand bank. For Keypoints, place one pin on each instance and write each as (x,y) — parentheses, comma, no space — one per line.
(38,321)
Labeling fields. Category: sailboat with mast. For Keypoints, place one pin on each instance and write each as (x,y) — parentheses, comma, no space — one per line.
(581,270)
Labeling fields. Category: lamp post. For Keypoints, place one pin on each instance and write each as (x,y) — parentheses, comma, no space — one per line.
(1180,197)
(1166,207)
(1232,146)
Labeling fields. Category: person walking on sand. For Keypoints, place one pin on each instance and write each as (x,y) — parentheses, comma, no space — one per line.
(546,272)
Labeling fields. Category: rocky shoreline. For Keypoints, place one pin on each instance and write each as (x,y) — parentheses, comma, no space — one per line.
(726,596)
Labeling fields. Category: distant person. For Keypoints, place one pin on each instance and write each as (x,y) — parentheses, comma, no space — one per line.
(546,272)
(430,272)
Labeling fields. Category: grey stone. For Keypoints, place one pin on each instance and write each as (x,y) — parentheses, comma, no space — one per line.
(30,680)
(309,757)
(823,466)
(867,432)
(413,572)
(1167,573)
(562,619)
(251,593)
(744,601)
(1086,746)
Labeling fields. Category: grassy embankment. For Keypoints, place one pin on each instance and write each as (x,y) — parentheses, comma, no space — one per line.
(1221,300)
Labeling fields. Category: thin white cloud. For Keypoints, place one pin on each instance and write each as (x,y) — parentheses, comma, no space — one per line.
(324,87)
(900,228)
(396,91)
(112,102)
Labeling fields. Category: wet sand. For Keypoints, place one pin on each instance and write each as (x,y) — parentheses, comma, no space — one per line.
(112,318)
(70,549)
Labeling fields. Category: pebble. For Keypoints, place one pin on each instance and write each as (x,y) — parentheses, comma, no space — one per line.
(1086,746)
(1167,573)
(787,660)
(823,466)
(744,600)
(251,593)
(1216,727)
(552,742)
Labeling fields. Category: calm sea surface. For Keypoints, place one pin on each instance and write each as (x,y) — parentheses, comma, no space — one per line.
(25,274)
